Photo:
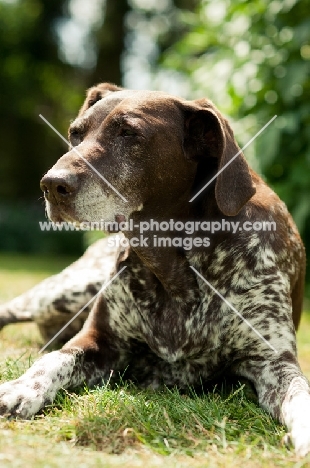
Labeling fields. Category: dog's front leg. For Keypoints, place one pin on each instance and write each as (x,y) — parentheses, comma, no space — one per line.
(88,357)
(28,394)
(285,393)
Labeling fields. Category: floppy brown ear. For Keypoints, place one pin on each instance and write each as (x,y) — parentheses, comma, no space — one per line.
(209,135)
(96,93)
(234,185)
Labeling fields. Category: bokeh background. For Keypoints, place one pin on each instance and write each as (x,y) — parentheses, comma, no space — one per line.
(252,58)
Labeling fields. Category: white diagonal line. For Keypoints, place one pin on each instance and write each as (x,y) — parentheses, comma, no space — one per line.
(85,160)
(237,154)
(235,310)
(83,308)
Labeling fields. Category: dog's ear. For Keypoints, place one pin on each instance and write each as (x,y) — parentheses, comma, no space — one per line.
(96,93)
(207,134)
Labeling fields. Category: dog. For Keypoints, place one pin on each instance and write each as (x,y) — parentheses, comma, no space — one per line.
(207,303)
(65,299)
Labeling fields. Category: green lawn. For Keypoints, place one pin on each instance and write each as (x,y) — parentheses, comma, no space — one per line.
(125,426)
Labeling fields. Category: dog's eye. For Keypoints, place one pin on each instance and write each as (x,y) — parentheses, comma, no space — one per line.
(75,137)
(128,132)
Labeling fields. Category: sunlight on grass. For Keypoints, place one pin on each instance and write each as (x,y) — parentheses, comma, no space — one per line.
(20,272)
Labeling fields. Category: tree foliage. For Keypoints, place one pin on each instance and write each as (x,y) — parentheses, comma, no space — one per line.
(32,81)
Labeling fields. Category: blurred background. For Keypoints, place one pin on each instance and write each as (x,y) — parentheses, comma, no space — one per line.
(252,58)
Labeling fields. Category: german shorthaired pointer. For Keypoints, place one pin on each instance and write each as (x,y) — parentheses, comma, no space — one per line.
(174,315)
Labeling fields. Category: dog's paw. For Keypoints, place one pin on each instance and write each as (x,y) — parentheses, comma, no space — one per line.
(300,438)
(36,388)
(21,399)
(296,414)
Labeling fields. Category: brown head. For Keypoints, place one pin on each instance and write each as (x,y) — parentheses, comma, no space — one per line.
(144,150)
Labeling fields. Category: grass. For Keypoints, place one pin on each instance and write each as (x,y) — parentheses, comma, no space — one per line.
(125,426)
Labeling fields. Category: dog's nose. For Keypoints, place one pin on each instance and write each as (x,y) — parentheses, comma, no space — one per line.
(59,186)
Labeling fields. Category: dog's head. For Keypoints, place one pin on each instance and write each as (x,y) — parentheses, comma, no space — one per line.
(134,150)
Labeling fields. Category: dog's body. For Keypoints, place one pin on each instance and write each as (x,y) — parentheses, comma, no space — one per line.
(175,315)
